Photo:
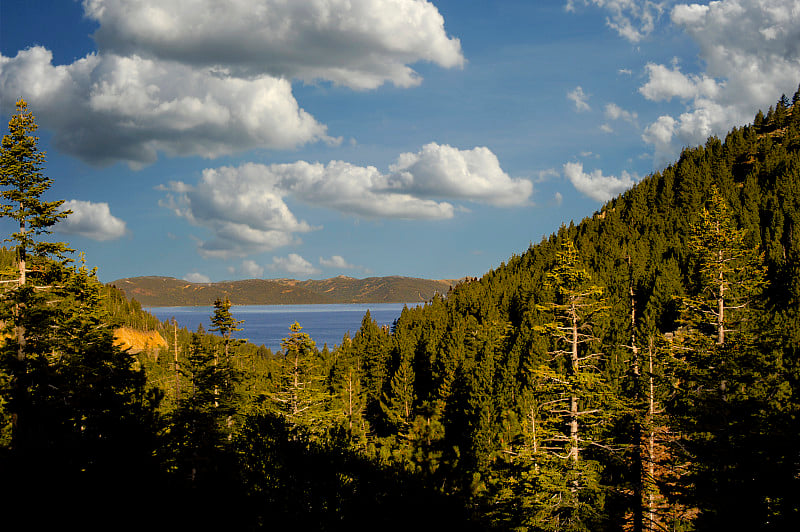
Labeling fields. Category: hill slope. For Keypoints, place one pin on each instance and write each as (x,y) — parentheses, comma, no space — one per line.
(488,360)
(168,291)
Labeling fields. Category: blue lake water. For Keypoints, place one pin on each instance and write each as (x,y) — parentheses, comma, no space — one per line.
(268,324)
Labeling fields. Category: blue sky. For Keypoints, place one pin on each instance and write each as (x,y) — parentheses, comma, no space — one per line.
(211,140)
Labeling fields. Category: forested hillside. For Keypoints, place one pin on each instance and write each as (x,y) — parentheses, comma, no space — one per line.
(639,370)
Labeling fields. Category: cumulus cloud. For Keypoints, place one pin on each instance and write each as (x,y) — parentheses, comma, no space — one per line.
(751,53)
(547,175)
(196,277)
(660,132)
(351,189)
(105,107)
(245,209)
(294,264)
(91,220)
(251,268)
(580,98)
(595,185)
(244,214)
(199,77)
(615,112)
(632,19)
(337,261)
(357,43)
(441,171)
(666,83)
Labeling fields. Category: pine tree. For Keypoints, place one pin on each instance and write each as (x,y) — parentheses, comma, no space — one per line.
(222,321)
(302,396)
(729,276)
(580,393)
(372,344)
(720,360)
(201,428)
(399,401)
(346,383)
(21,175)
(81,402)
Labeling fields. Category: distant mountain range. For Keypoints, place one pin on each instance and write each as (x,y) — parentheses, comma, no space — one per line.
(168,291)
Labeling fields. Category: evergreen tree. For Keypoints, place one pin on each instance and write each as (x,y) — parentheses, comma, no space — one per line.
(21,175)
(581,394)
(720,359)
(346,382)
(201,426)
(88,423)
(399,401)
(302,396)
(729,275)
(222,321)
(373,345)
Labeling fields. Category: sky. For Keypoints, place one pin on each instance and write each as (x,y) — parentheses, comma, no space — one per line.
(211,141)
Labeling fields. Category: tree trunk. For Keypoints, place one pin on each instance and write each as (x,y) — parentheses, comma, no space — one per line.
(177,366)
(350,400)
(20,388)
(641,481)
(651,410)
(721,305)
(573,400)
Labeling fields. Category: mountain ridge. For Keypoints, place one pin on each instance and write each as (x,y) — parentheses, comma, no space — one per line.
(164,291)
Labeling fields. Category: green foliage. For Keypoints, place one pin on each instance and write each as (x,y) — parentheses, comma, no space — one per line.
(638,370)
(729,274)
(76,398)
(21,165)
(301,395)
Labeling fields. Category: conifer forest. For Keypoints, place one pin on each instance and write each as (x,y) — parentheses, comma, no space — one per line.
(637,370)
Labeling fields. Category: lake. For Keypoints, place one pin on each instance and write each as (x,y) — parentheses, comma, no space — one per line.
(268,324)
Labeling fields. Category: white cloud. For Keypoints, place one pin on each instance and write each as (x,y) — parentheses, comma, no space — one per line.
(631,19)
(91,220)
(751,53)
(195,277)
(337,261)
(615,112)
(441,171)
(660,132)
(351,189)
(105,108)
(196,77)
(294,264)
(357,43)
(244,206)
(251,268)
(596,185)
(547,175)
(665,83)
(245,209)
(245,214)
(605,128)
(580,98)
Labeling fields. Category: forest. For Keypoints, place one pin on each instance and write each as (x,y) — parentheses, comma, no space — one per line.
(639,370)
